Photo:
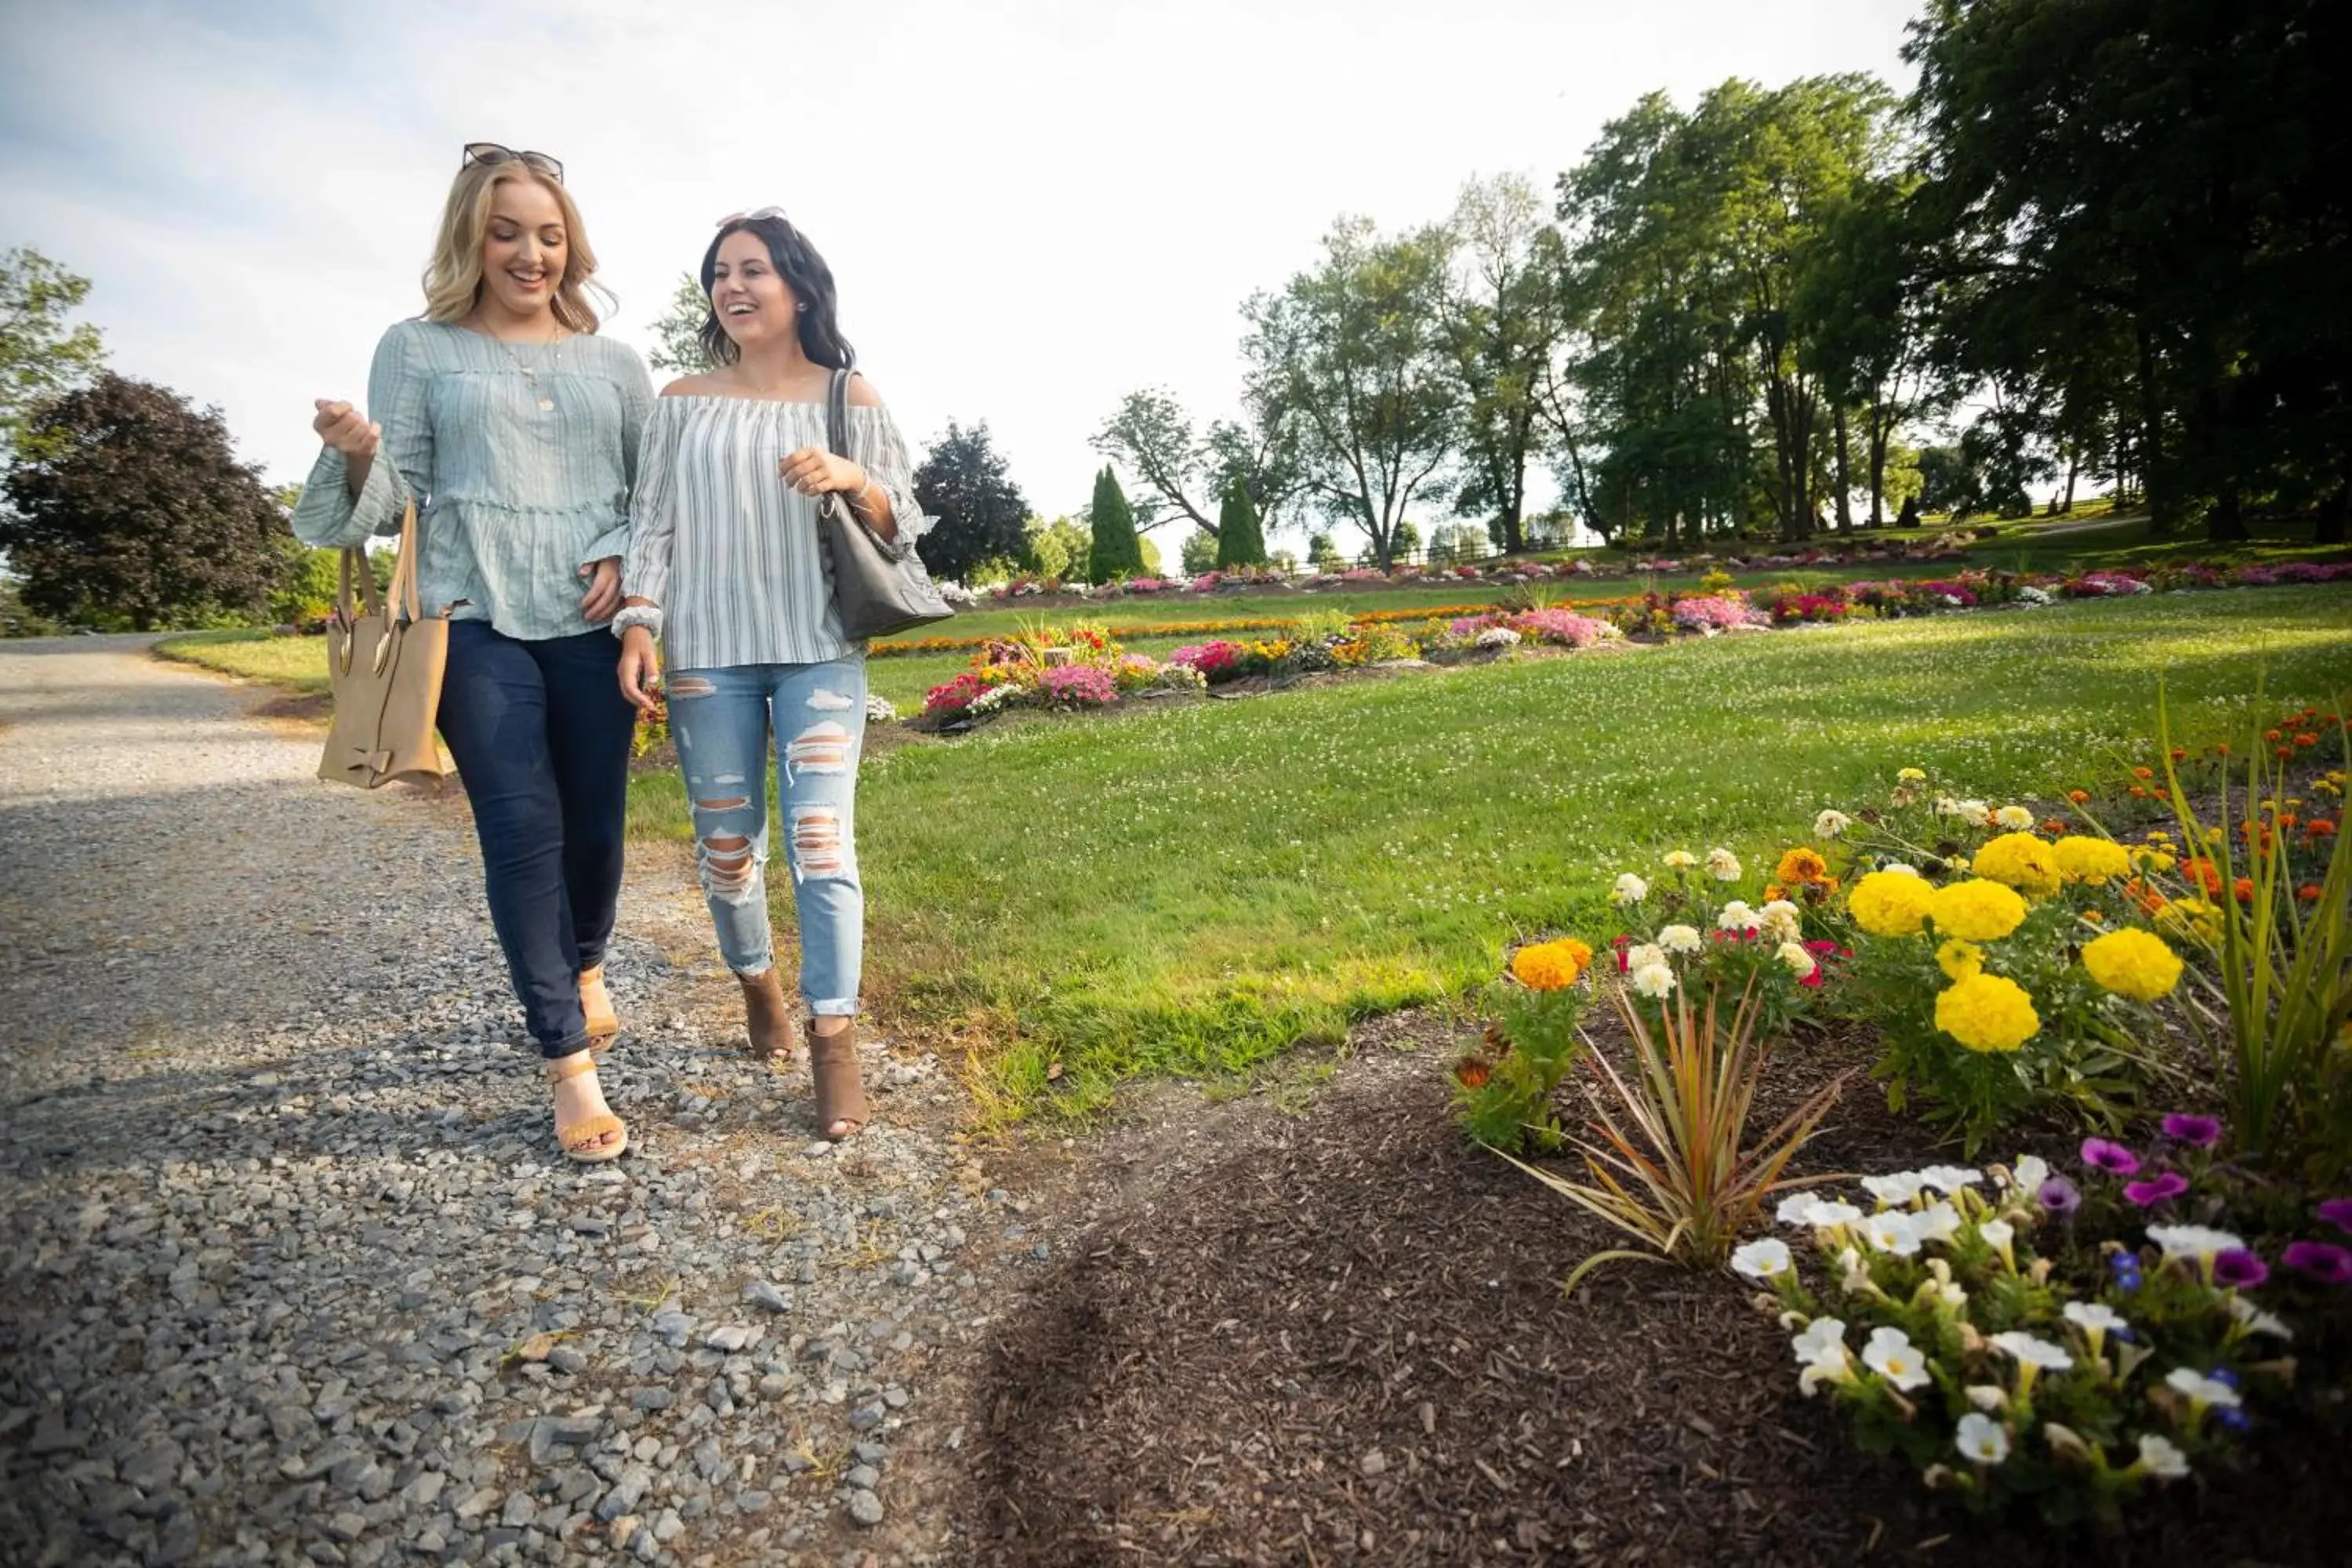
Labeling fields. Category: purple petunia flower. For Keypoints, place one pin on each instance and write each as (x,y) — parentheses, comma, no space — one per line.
(2239,1269)
(2059,1196)
(2232,1418)
(2126,1269)
(2112,1158)
(2338,1212)
(2197,1132)
(2322,1260)
(2225,1376)
(2157,1189)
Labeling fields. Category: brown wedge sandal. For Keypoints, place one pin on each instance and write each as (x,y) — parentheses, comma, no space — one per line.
(578,1141)
(766,1018)
(596,1006)
(840,1096)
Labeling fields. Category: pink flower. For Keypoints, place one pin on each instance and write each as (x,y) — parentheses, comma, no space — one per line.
(2157,1189)
(2338,1212)
(2322,1260)
(2196,1131)
(2112,1158)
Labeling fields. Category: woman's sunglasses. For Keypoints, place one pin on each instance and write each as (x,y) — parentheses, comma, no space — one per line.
(492,153)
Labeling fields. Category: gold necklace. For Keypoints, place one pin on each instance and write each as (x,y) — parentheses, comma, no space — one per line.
(554,354)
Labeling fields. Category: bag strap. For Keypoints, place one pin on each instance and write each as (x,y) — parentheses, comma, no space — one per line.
(403,572)
(353,558)
(836,413)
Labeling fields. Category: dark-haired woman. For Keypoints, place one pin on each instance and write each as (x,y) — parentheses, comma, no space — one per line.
(725,567)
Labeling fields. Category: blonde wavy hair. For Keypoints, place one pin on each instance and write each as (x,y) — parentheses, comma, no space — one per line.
(452,283)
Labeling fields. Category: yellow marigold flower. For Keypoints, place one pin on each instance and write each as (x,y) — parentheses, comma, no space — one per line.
(2132,963)
(1890,903)
(1976,910)
(1987,1013)
(1800,865)
(1550,965)
(1910,775)
(1959,959)
(2022,861)
(2191,916)
(2154,860)
(2082,859)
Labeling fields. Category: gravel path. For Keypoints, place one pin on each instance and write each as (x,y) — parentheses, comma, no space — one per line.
(290,1269)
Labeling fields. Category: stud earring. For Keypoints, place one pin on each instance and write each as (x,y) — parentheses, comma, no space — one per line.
(802,307)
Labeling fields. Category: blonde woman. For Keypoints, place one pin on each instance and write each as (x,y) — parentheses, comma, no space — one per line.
(725,567)
(515,429)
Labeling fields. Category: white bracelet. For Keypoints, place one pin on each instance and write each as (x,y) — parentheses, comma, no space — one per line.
(647,616)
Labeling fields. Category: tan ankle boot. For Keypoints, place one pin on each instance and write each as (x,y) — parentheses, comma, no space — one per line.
(766,1018)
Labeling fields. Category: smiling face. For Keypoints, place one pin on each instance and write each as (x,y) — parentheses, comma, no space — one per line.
(525,248)
(753,303)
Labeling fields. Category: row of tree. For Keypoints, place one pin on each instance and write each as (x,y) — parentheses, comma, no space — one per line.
(2102,242)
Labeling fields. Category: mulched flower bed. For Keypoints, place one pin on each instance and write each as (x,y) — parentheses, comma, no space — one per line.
(1340,1337)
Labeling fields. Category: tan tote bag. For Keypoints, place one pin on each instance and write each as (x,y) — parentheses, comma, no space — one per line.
(384,662)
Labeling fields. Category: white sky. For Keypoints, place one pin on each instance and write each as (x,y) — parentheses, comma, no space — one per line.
(1033,206)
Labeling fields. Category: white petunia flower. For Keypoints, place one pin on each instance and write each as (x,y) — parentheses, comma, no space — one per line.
(1988,1395)
(2160,1458)
(1830,1215)
(1763,1259)
(1831,824)
(2032,1171)
(1893,1356)
(1680,860)
(1797,1209)
(2095,1317)
(1655,981)
(1981,1439)
(1737,916)
(2192,1241)
(2016,819)
(2255,1319)
(1628,889)
(2203,1391)
(1801,963)
(1950,1178)
(1835,1366)
(1723,865)
(1894,1188)
(1940,1221)
(2000,1236)
(2031,1350)
(1823,1337)
(1681,939)
(1889,1230)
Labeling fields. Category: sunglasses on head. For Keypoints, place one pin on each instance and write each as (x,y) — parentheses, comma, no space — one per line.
(492,153)
(754,217)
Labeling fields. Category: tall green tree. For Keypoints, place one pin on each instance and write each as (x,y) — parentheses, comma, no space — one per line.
(1858,312)
(2169,180)
(1239,541)
(1152,434)
(41,354)
(677,331)
(1117,552)
(1354,352)
(980,514)
(126,501)
(1507,317)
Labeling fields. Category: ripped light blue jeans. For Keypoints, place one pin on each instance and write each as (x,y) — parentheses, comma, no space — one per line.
(721,721)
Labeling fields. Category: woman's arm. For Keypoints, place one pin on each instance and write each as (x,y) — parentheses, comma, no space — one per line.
(347,497)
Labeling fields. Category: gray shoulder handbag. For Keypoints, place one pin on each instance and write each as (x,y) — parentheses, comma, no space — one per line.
(879,587)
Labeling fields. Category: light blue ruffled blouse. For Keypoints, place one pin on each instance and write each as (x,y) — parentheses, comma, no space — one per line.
(522,458)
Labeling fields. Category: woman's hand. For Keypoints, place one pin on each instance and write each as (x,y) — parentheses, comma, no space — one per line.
(814,471)
(640,668)
(602,601)
(341,425)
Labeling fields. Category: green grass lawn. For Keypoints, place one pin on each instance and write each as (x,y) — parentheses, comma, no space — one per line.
(1191,891)
(298,664)
(2056,544)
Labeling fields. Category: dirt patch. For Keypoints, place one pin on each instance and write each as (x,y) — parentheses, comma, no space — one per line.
(1339,1335)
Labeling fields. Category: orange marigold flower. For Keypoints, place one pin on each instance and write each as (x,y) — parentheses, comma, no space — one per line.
(2307,740)
(2095,917)
(2205,874)
(2309,892)
(2244,890)
(2138,793)
(2053,825)
(2319,827)
(2143,773)
(2285,753)
(1773,890)
(2079,796)
(2271,736)
(1474,1072)
(2147,898)
(2222,749)
(2179,755)
(1800,865)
